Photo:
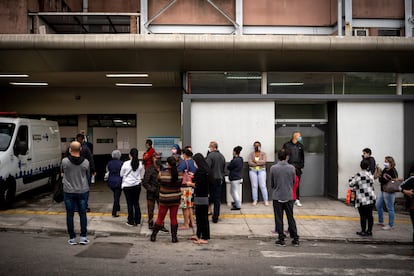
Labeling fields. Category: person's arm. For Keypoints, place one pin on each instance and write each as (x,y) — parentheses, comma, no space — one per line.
(250,160)
(262,159)
(354,181)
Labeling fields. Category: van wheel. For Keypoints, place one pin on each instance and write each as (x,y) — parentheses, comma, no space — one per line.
(7,193)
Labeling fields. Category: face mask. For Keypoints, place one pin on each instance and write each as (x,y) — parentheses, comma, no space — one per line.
(256,148)
(386,165)
(300,139)
(174,151)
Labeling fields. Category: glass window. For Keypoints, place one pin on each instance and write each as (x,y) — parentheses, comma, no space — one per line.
(368,83)
(224,83)
(115,120)
(300,82)
(389,32)
(407,84)
(6,133)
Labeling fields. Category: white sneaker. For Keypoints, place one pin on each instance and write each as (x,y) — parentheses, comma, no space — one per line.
(72,242)
(266,203)
(84,240)
(254,203)
(297,203)
(387,227)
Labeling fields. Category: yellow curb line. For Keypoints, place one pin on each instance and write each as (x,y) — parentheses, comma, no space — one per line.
(228,216)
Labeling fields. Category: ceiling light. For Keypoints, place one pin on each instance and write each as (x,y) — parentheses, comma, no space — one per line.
(29,83)
(286,83)
(403,84)
(127,75)
(14,76)
(134,84)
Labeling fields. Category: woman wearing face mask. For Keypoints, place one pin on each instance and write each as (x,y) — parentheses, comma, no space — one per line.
(257,173)
(388,173)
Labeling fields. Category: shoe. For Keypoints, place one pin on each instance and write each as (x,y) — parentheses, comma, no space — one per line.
(280,243)
(165,230)
(129,224)
(254,203)
(235,209)
(362,233)
(266,203)
(274,232)
(387,227)
(369,234)
(72,241)
(295,242)
(215,220)
(84,241)
(88,210)
(115,216)
(297,203)
(381,224)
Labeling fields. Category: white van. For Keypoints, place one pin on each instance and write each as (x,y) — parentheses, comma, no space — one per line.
(30,156)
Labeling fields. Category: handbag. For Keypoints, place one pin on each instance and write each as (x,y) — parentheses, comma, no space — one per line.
(392,186)
(350,196)
(106,176)
(58,194)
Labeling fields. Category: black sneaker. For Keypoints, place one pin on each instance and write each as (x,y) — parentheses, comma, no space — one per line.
(280,243)
(235,209)
(165,230)
(362,234)
(295,243)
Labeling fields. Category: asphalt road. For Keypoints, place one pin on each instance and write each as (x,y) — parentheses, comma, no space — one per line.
(47,254)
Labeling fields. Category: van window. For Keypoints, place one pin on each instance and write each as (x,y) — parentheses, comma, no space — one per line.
(6,133)
(21,145)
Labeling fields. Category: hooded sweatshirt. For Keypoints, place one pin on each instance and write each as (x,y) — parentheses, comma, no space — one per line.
(75,171)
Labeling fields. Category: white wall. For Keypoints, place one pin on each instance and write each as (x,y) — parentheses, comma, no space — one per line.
(232,124)
(378,126)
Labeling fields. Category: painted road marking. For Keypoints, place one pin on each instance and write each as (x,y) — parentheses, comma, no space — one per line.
(286,270)
(282,254)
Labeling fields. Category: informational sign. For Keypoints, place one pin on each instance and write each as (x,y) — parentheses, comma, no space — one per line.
(164,144)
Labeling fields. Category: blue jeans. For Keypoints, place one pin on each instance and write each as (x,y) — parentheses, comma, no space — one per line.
(234,189)
(258,179)
(388,199)
(79,201)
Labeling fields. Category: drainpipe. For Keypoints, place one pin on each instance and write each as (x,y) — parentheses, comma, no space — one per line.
(399,84)
(85,18)
(85,6)
(339,25)
(409,18)
(348,17)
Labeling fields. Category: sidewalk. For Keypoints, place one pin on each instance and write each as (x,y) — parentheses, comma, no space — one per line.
(318,219)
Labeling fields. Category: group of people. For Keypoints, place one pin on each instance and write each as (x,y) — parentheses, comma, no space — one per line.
(362,183)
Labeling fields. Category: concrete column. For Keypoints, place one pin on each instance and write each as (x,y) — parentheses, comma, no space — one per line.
(399,84)
(239,16)
(409,18)
(264,83)
(143,17)
(348,17)
(186,115)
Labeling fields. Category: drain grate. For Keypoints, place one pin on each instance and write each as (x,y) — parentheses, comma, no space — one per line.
(106,250)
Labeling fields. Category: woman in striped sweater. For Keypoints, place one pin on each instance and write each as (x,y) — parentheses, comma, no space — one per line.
(169,199)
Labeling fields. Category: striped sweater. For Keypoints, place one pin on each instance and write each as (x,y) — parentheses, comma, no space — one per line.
(170,193)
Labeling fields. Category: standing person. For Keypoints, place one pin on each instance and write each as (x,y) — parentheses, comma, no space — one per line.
(282,178)
(407,188)
(235,176)
(152,185)
(147,156)
(363,185)
(188,169)
(217,164)
(131,173)
(75,170)
(113,169)
(296,153)
(366,154)
(257,173)
(170,196)
(202,182)
(388,173)
(176,152)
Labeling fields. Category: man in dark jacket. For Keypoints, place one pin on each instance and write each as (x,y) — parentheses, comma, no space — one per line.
(295,150)
(75,170)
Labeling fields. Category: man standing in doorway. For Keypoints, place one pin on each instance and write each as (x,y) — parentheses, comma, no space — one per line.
(75,170)
(217,164)
(295,150)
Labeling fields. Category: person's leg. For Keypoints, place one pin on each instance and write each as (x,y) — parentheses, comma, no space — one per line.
(203,226)
(389,199)
(115,207)
(69,204)
(217,200)
(262,185)
(278,215)
(412,221)
(293,232)
(362,219)
(234,188)
(150,208)
(162,212)
(370,218)
(254,181)
(174,222)
(82,214)
(137,209)
(379,206)
(129,200)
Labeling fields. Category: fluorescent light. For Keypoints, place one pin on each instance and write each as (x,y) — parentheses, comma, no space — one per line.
(244,77)
(286,83)
(29,83)
(134,84)
(403,84)
(127,75)
(14,76)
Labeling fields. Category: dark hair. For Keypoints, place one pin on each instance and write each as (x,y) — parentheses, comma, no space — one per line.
(367,150)
(364,164)
(237,149)
(149,142)
(188,152)
(282,154)
(80,137)
(202,166)
(174,172)
(257,142)
(135,161)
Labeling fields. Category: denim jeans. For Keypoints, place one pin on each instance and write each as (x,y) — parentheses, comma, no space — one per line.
(258,179)
(388,199)
(132,199)
(234,189)
(73,200)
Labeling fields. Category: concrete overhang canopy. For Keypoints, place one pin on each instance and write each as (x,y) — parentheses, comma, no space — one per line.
(91,56)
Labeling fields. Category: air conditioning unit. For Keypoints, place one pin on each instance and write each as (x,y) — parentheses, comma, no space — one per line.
(42,29)
(361,32)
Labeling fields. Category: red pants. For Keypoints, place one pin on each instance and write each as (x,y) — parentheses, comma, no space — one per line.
(162,212)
